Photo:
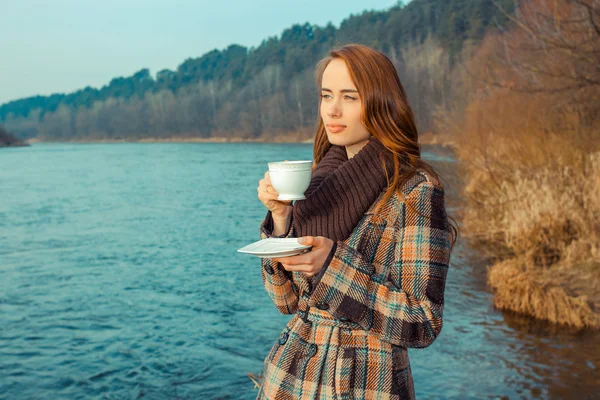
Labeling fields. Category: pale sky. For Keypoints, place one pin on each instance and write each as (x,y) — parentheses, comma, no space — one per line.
(63,45)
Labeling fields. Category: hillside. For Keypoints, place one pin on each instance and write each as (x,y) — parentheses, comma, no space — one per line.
(267,90)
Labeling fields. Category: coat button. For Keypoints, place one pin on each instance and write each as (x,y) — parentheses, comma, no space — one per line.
(323,306)
(283,338)
(269,269)
(313,350)
(344,319)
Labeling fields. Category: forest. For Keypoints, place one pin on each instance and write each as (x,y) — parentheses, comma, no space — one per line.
(269,90)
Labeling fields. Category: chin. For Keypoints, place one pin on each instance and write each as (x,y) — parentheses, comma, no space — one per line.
(336,140)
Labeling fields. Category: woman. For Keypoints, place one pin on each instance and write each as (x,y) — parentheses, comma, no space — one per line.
(373,283)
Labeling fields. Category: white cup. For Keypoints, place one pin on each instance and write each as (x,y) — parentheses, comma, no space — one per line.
(290,178)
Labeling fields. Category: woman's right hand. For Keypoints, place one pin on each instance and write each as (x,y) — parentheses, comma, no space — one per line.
(268,196)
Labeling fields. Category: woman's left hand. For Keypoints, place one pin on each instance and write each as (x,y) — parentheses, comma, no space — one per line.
(312,262)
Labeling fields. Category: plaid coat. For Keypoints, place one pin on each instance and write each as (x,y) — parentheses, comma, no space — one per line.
(380,294)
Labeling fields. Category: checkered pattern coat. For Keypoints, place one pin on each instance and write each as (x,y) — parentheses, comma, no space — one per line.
(380,294)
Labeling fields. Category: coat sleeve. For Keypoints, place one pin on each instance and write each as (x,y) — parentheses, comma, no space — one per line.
(278,282)
(404,307)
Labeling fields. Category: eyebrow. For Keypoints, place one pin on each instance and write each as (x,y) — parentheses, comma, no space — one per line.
(341,91)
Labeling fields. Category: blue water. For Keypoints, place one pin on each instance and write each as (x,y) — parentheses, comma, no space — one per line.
(119,279)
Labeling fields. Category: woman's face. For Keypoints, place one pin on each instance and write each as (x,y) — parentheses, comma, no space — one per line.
(341,108)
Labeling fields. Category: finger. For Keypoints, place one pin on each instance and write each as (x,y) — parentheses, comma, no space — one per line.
(267,192)
(266,186)
(307,240)
(287,260)
(271,196)
(301,259)
(304,268)
(315,241)
(287,267)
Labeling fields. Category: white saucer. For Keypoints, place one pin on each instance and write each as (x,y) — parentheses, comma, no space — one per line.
(275,247)
(290,197)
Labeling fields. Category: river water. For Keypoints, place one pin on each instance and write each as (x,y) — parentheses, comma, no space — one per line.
(119,279)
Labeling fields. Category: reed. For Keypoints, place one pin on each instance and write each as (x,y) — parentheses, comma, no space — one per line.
(526,123)
(532,203)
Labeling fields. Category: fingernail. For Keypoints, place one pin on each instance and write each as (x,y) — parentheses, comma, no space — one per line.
(301,240)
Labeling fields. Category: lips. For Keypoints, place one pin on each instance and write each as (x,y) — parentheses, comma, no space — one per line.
(335,128)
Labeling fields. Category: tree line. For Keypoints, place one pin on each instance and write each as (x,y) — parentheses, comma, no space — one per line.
(267,90)
(7,140)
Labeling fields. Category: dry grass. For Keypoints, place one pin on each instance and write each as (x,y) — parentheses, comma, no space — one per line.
(532,199)
(540,294)
(255,379)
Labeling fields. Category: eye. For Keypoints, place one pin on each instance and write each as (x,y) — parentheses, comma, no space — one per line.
(325,96)
(349,97)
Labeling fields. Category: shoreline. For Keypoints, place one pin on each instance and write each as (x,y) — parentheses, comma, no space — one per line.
(175,140)
(425,139)
(18,144)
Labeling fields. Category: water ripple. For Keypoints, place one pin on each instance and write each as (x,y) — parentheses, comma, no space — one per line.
(120,279)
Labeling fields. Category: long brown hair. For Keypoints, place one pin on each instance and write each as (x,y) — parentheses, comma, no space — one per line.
(385,113)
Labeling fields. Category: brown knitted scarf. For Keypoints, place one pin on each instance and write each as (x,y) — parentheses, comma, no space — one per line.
(341,191)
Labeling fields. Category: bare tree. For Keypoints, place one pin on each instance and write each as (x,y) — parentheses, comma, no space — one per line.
(554,51)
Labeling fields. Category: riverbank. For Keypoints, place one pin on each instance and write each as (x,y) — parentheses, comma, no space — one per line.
(532,207)
(425,139)
(8,140)
(178,140)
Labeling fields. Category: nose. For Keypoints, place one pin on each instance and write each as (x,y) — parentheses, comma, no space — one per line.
(333,110)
